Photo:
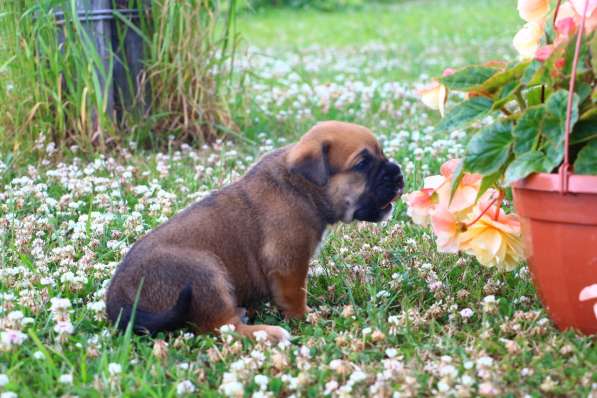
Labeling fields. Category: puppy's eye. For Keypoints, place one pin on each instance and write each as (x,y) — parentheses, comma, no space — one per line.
(362,164)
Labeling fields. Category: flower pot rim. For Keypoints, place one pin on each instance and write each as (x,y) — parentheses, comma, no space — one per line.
(552,183)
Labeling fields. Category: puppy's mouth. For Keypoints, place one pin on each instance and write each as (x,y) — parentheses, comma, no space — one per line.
(388,205)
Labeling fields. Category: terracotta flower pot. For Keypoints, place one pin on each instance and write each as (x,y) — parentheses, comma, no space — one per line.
(560,233)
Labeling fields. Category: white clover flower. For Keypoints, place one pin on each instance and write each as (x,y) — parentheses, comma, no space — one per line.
(15,316)
(227,329)
(114,368)
(357,376)
(3,380)
(10,338)
(448,371)
(260,335)
(466,313)
(467,380)
(9,394)
(391,352)
(330,387)
(232,389)
(66,379)
(485,361)
(488,389)
(64,328)
(59,305)
(185,387)
(262,394)
(443,387)
(261,381)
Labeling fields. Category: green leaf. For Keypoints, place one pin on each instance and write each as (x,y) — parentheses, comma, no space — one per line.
(553,144)
(464,113)
(528,163)
(468,77)
(593,46)
(583,58)
(532,74)
(501,78)
(487,182)
(528,127)
(533,95)
(506,94)
(456,178)
(583,90)
(554,126)
(584,130)
(586,161)
(489,149)
(557,103)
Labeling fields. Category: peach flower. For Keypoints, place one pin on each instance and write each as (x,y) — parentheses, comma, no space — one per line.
(465,195)
(533,10)
(495,243)
(421,203)
(527,40)
(434,95)
(446,229)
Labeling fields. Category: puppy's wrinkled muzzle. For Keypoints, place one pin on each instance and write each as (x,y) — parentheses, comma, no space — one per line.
(376,203)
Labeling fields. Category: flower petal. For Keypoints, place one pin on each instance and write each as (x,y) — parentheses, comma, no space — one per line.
(533,10)
(526,41)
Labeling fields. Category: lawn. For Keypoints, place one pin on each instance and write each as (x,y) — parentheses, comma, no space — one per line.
(390,316)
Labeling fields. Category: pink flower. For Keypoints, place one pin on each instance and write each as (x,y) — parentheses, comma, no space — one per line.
(448,72)
(544,53)
(573,9)
(579,6)
(565,27)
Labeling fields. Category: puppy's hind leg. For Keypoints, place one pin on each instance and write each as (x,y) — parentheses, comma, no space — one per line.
(231,315)
(214,305)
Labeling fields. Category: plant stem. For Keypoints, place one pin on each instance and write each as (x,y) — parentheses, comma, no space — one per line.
(505,111)
(520,100)
(500,198)
(482,213)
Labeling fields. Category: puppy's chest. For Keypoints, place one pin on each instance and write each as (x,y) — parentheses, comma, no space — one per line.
(321,243)
(290,249)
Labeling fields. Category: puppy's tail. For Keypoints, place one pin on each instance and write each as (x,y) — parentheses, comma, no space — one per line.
(152,322)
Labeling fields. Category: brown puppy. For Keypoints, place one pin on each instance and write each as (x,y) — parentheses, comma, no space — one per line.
(252,240)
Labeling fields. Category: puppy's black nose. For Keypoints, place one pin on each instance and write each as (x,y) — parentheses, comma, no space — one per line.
(393,174)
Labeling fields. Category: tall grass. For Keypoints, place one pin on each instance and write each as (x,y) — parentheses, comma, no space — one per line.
(57,88)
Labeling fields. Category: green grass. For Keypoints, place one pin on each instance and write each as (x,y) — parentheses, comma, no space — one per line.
(54,81)
(373,288)
(416,23)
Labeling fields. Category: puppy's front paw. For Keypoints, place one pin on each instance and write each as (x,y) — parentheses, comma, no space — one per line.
(275,334)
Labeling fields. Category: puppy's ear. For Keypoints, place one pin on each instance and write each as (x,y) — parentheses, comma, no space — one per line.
(310,160)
